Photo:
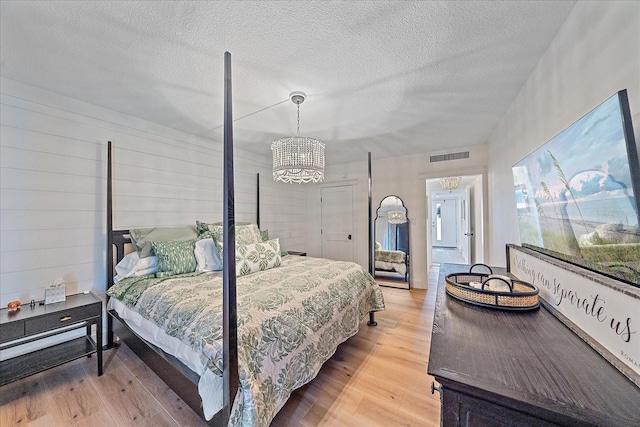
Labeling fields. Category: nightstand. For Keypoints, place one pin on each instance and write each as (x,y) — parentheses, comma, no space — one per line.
(29,324)
(297,253)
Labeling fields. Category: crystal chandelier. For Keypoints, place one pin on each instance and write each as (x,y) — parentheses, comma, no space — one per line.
(450,183)
(295,158)
(396,217)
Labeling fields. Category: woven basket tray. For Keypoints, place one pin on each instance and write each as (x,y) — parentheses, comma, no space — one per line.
(508,294)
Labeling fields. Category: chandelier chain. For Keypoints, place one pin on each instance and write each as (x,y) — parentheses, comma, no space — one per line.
(298,119)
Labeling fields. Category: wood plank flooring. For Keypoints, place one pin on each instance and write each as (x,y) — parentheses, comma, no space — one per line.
(376,378)
(391,279)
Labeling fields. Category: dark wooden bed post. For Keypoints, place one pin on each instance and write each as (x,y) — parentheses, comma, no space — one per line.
(371,246)
(258,199)
(229,314)
(109,265)
(372,321)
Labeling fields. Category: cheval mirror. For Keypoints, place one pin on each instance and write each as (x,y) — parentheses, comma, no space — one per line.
(392,244)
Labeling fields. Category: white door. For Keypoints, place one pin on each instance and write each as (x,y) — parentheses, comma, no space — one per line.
(444,225)
(469,234)
(337,222)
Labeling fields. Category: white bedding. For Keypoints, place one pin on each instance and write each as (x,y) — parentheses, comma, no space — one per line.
(209,386)
(291,320)
(398,267)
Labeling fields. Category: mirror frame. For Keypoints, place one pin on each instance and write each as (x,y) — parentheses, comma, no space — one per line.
(407,253)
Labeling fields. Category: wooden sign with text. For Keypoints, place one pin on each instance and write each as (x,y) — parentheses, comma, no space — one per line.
(602,311)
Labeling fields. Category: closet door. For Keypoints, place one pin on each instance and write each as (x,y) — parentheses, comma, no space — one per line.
(337,223)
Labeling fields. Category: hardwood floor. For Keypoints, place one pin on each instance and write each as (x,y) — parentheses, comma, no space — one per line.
(376,378)
(391,279)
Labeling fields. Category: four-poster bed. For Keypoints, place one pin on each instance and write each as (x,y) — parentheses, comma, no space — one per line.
(276,328)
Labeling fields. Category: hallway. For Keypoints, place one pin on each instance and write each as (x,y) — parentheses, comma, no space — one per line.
(447,255)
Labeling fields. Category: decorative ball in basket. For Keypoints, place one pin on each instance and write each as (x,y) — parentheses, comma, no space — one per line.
(489,290)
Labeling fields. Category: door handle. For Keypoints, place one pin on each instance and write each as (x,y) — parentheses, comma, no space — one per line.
(349,237)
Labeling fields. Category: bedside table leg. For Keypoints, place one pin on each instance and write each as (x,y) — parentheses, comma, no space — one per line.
(89,334)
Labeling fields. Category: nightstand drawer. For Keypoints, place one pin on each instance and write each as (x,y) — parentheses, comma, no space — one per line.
(11,331)
(61,319)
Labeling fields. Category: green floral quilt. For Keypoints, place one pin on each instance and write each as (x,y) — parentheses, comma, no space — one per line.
(290,321)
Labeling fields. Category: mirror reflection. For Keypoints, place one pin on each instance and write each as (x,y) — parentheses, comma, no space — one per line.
(392,243)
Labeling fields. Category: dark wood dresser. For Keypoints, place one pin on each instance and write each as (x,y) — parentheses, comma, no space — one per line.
(503,368)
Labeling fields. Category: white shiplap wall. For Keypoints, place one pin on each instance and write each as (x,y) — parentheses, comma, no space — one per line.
(53,188)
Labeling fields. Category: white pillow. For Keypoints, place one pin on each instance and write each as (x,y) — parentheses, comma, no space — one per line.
(134,266)
(207,257)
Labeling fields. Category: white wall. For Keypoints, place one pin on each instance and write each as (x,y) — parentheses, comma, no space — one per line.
(53,188)
(404,177)
(52,170)
(595,54)
(477,191)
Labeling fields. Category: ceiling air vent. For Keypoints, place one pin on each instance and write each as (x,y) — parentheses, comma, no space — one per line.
(450,156)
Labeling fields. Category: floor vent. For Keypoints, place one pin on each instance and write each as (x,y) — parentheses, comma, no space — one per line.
(450,156)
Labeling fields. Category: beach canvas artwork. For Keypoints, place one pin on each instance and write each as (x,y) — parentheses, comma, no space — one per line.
(575,194)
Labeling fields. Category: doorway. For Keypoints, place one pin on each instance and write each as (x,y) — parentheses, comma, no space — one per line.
(455,225)
(336,210)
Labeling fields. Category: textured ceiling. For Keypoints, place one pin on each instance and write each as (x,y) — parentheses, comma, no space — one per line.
(391,77)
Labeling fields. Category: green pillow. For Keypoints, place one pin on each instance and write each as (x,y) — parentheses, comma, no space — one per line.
(265,235)
(142,237)
(175,257)
(257,257)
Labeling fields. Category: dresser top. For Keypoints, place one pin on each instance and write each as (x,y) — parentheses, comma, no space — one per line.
(526,360)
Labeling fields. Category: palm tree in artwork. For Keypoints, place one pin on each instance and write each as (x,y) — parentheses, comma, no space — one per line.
(565,182)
